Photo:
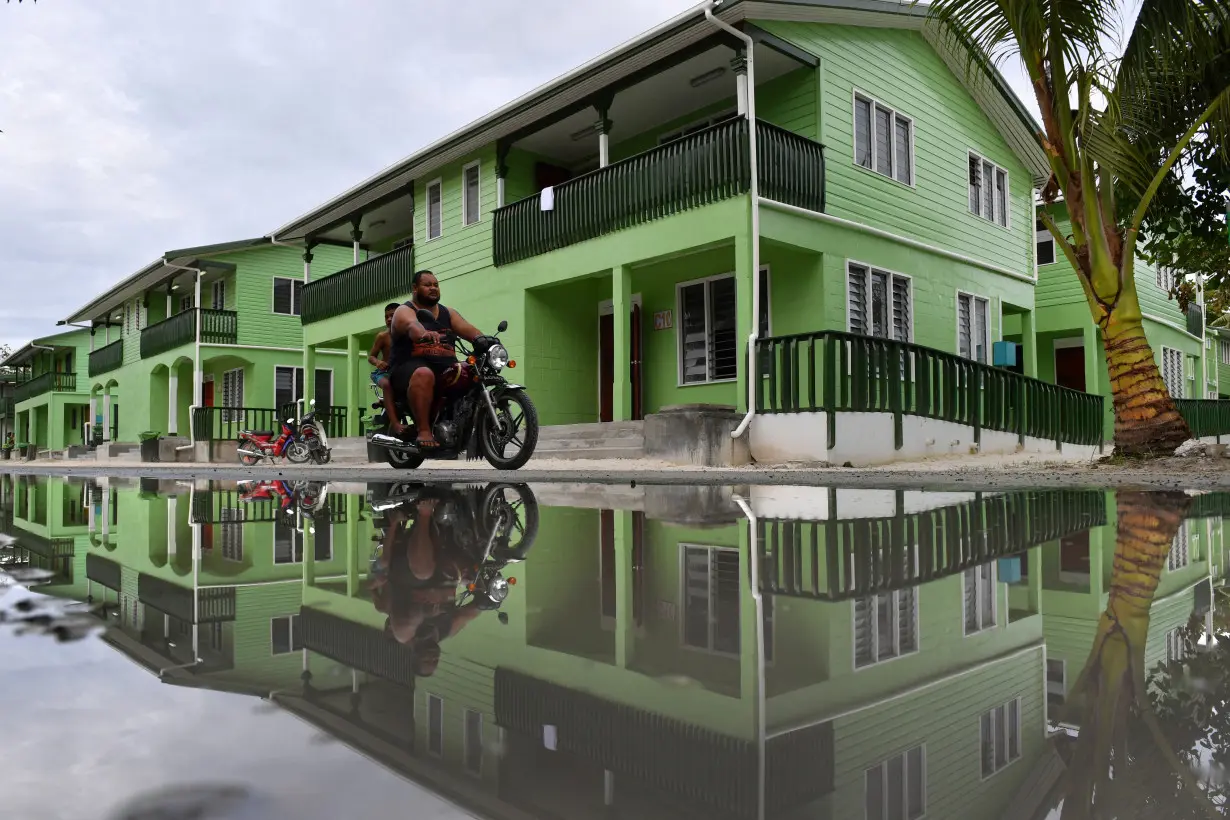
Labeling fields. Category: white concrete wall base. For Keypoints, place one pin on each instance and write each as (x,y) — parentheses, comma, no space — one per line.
(867,439)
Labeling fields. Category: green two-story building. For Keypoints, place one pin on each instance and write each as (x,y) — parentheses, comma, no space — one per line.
(205,341)
(51,408)
(892,198)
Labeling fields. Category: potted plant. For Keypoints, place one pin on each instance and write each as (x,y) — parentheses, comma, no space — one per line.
(149,445)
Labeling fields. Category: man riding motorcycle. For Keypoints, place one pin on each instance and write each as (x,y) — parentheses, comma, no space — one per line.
(424,353)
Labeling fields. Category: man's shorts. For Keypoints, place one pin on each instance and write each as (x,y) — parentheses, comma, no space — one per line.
(400,373)
(377,375)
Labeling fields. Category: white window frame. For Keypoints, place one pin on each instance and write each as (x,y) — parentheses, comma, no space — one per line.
(710,549)
(877,661)
(1011,707)
(1175,353)
(467,218)
(1223,349)
(432,700)
(293,622)
(295,306)
(1060,689)
(979,591)
(1166,278)
(896,114)
(438,184)
(986,342)
(904,783)
(1043,235)
(679,342)
(465,743)
(219,287)
(1007,206)
(892,274)
(1178,557)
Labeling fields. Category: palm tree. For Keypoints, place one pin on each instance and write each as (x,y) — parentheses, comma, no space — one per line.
(1110,156)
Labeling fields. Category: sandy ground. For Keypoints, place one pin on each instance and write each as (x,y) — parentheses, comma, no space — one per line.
(965,472)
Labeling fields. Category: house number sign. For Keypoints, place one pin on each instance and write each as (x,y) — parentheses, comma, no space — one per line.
(662,320)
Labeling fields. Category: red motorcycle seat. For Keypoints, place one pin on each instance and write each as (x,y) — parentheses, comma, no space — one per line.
(259,433)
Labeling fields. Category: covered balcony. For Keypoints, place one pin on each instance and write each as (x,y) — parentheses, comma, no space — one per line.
(107,358)
(217,327)
(378,280)
(43,384)
(689,172)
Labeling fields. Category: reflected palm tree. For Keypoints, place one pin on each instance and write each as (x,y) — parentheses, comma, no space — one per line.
(1124,764)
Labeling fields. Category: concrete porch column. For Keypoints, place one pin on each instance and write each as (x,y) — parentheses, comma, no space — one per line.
(351,396)
(106,431)
(1095,362)
(173,402)
(625,623)
(309,375)
(621,304)
(93,415)
(1029,345)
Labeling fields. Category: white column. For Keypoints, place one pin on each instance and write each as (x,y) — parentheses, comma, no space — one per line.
(196,359)
(172,403)
(499,192)
(307,264)
(106,431)
(604,150)
(108,330)
(106,512)
(91,340)
(93,412)
(172,504)
(741,92)
(168,304)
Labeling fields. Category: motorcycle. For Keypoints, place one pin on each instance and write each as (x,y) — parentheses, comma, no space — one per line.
(475,411)
(255,446)
(291,497)
(313,433)
(492,526)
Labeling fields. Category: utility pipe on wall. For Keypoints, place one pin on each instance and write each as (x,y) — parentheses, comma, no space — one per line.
(754,185)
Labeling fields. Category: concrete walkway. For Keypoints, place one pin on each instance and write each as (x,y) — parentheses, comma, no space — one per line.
(966,473)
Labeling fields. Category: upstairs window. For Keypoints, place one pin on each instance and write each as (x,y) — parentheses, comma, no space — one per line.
(287,296)
(1224,349)
(435,209)
(1166,278)
(185,303)
(471,182)
(1179,555)
(1045,243)
(879,303)
(285,636)
(883,140)
(218,295)
(885,626)
(1000,729)
(973,327)
(988,190)
(980,598)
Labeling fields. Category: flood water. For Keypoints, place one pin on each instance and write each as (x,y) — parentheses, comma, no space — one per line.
(211,649)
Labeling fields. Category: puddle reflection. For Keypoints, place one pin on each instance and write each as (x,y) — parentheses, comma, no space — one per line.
(586,651)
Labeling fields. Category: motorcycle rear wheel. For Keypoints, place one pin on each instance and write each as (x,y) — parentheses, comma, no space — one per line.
(402,461)
(297,452)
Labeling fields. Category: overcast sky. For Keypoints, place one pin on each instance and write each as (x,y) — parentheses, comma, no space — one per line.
(132,127)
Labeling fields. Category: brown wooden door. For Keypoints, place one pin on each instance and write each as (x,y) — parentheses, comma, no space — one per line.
(207,394)
(1070,367)
(606,365)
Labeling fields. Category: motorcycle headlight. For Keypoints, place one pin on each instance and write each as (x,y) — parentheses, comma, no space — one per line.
(497,357)
(497,591)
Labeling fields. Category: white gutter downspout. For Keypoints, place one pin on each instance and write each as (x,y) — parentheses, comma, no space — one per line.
(196,355)
(758,605)
(754,191)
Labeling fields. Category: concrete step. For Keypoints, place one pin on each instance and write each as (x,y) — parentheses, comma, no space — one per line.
(589,453)
(590,432)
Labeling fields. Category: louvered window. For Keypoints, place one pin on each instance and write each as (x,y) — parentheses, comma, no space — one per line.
(973,327)
(470,202)
(232,533)
(988,190)
(1224,349)
(711,599)
(879,303)
(980,598)
(709,348)
(885,626)
(185,303)
(1178,556)
(896,789)
(1001,736)
(883,140)
(232,395)
(1176,647)
(218,294)
(1172,371)
(435,210)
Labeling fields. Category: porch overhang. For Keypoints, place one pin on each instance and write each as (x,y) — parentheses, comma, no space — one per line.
(162,270)
(25,354)
(579,88)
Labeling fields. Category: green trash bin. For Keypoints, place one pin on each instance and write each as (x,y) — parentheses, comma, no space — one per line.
(149,447)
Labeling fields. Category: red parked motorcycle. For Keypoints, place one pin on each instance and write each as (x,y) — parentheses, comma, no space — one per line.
(255,446)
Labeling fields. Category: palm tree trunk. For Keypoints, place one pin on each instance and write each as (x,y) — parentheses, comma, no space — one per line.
(1113,680)
(1147,421)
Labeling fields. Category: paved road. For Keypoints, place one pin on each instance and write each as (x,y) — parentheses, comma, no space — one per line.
(1161,474)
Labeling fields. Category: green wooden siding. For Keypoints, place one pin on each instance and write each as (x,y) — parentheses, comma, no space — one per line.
(901,70)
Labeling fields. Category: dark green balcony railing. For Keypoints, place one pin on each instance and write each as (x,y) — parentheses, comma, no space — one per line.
(696,170)
(835,372)
(1206,418)
(377,281)
(108,358)
(207,605)
(46,383)
(839,559)
(1195,320)
(225,423)
(686,173)
(361,647)
(219,327)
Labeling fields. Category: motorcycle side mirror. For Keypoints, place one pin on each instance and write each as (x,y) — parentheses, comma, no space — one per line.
(503,327)
(312,402)
(290,421)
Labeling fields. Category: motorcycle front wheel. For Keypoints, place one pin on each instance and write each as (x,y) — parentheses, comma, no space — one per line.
(297,452)
(517,427)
